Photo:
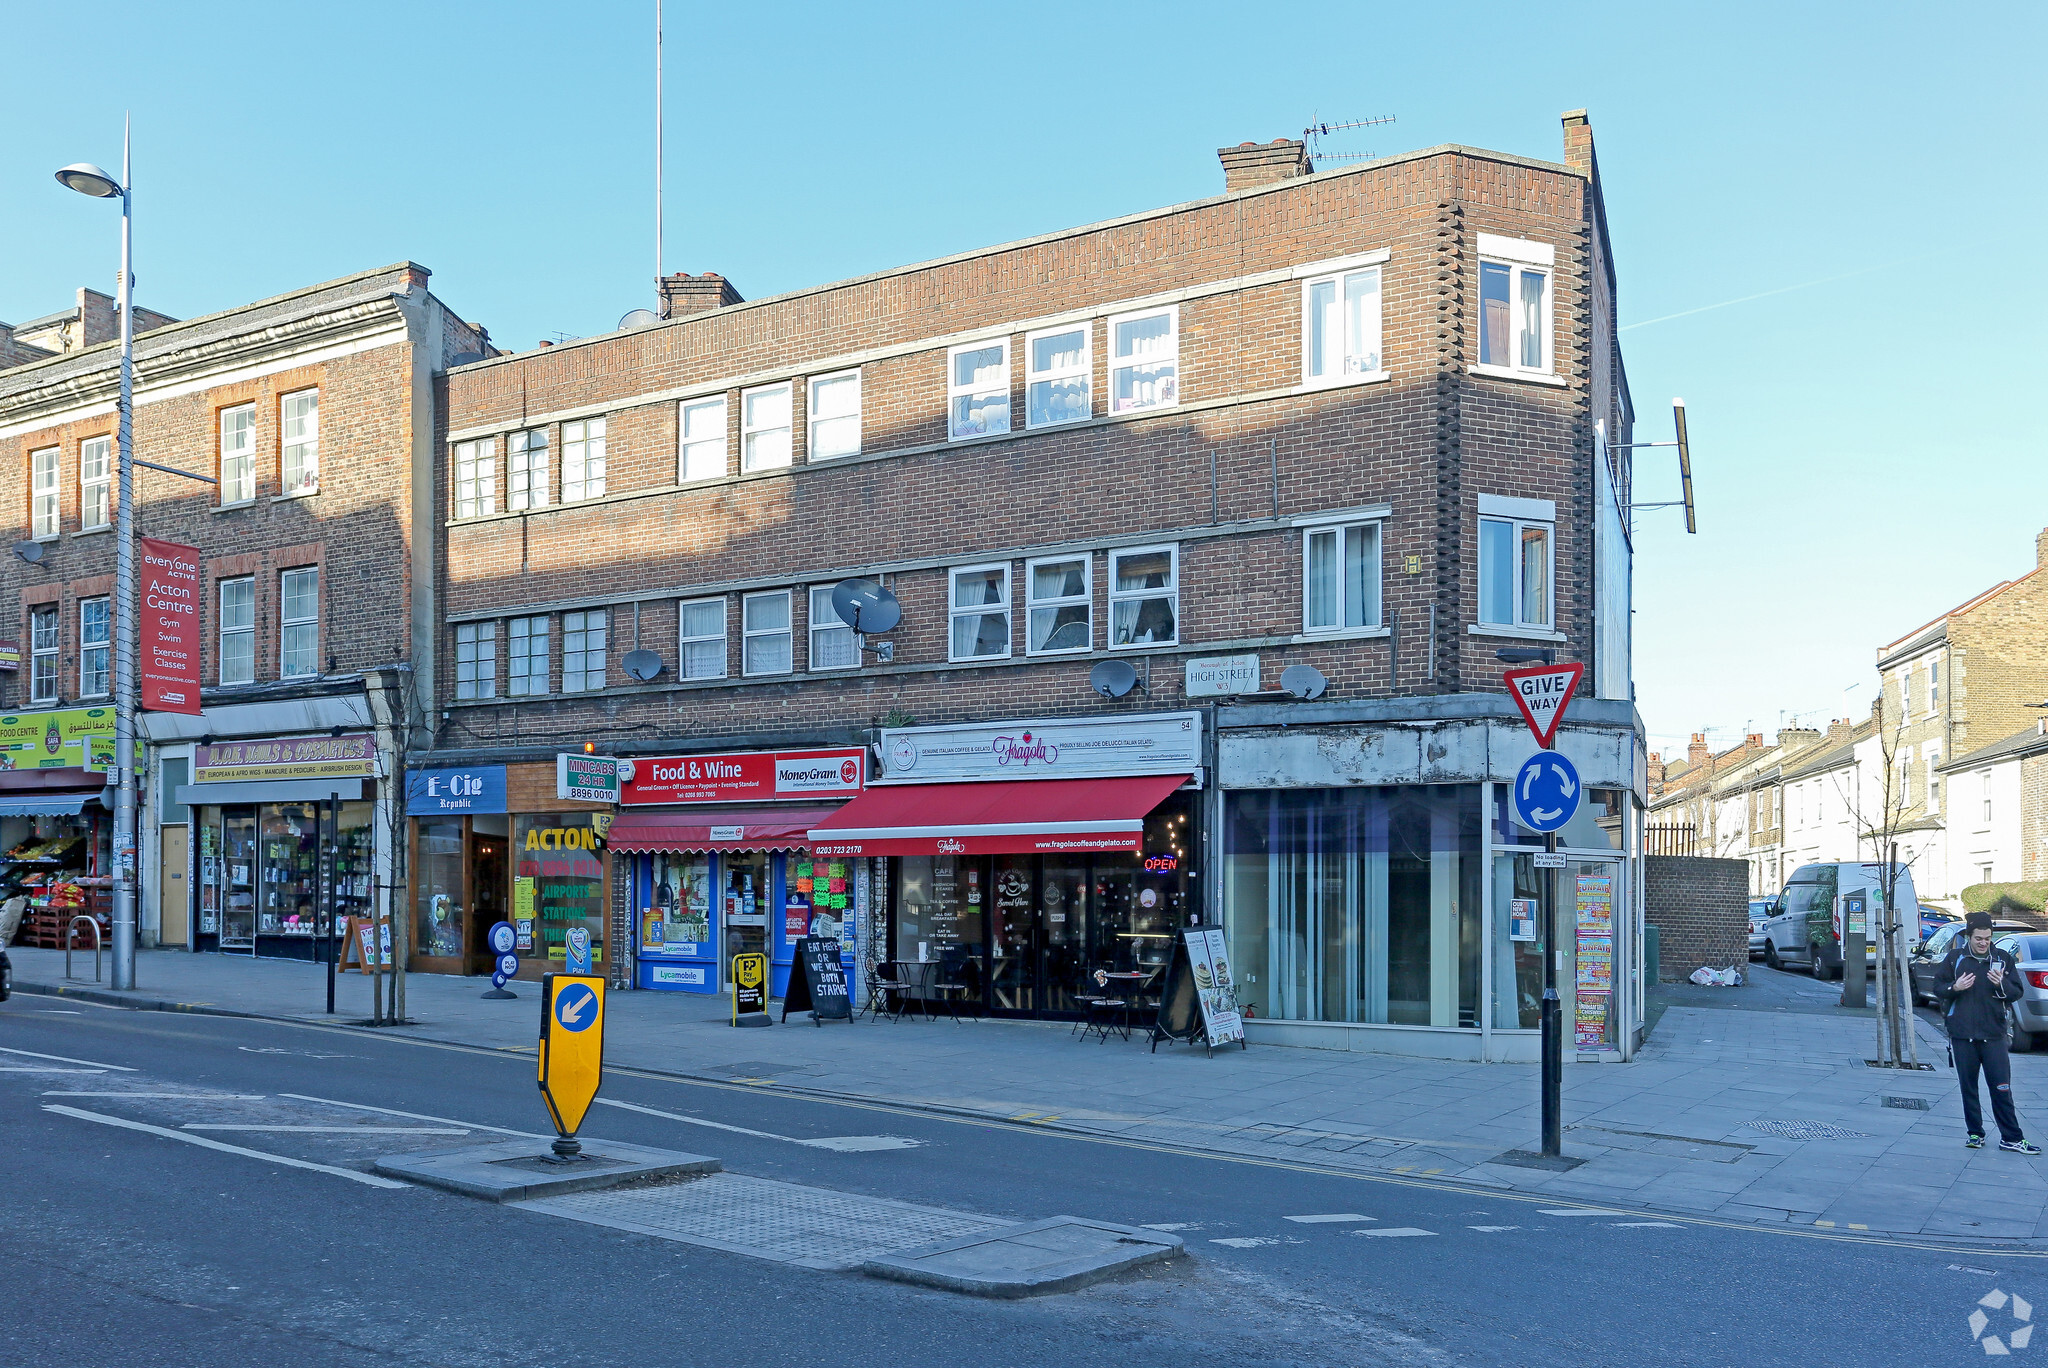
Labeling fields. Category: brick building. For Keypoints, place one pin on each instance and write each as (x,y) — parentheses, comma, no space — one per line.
(1353,420)
(314,414)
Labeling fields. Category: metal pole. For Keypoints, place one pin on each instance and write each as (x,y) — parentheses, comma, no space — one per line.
(657,164)
(332,853)
(124,613)
(1553,1023)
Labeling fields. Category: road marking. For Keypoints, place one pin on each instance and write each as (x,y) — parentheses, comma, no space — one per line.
(1246,1241)
(863,1144)
(1345,1217)
(1170,1226)
(1580,1211)
(1646,1225)
(1493,1230)
(688,1120)
(67,1059)
(332,1130)
(44,1069)
(416,1116)
(1825,1225)
(168,1097)
(273,1049)
(1396,1232)
(368,1179)
(1857,1225)
(842,1144)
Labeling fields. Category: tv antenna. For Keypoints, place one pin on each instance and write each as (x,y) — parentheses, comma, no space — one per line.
(1317,131)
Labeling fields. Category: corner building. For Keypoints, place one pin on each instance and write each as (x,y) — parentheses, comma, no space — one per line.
(1356,420)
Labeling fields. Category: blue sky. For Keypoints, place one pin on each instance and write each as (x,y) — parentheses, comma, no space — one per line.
(1866,448)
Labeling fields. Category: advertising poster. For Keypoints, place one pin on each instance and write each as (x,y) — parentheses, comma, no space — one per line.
(1591,1023)
(66,738)
(1214,988)
(170,627)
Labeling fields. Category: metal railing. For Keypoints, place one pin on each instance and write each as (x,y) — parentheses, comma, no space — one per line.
(71,935)
(1670,838)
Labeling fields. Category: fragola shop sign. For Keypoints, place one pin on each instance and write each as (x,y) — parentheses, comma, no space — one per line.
(747,776)
(1058,748)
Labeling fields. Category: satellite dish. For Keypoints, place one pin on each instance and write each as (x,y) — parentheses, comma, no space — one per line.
(642,665)
(1303,681)
(865,606)
(1113,678)
(468,358)
(639,318)
(29,551)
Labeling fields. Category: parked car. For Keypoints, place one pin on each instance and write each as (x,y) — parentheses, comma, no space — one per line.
(1759,914)
(6,977)
(1936,948)
(1933,916)
(1810,896)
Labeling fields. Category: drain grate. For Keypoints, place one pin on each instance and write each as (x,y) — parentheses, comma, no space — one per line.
(1909,1103)
(807,1226)
(1806,1130)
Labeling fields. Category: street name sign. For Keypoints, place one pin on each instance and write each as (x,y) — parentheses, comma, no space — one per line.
(571,1046)
(1547,791)
(1541,691)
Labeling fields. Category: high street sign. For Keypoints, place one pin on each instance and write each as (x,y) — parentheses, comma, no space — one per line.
(1541,691)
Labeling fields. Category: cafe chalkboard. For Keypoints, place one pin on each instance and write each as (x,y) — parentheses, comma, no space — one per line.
(817,982)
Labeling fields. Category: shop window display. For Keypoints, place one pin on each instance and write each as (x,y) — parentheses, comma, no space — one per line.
(559,860)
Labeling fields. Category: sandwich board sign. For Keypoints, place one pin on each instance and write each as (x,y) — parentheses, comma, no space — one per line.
(1541,691)
(750,989)
(571,1047)
(817,982)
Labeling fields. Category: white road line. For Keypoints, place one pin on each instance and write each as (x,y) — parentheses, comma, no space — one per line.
(691,1120)
(416,1116)
(168,1097)
(842,1144)
(1492,1229)
(1346,1218)
(67,1059)
(44,1069)
(1578,1211)
(1396,1232)
(368,1179)
(1170,1226)
(1646,1225)
(331,1130)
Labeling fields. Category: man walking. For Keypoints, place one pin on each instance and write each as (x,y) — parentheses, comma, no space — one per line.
(1974,984)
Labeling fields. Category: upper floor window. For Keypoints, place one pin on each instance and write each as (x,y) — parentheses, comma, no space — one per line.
(1515,561)
(583,460)
(476,478)
(1144,361)
(978,389)
(1060,609)
(583,651)
(476,660)
(238,630)
(702,632)
(94,636)
(1340,326)
(526,656)
(298,653)
(1905,779)
(1340,577)
(980,612)
(299,417)
(1060,377)
(833,644)
(43,490)
(1514,304)
(703,440)
(95,483)
(1933,685)
(1144,596)
(526,470)
(44,637)
(238,454)
(765,427)
(835,415)
(764,633)
(1985,777)
(1934,778)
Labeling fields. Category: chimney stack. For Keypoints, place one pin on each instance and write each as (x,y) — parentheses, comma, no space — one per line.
(1699,752)
(683,294)
(2041,550)
(1797,736)
(1249,164)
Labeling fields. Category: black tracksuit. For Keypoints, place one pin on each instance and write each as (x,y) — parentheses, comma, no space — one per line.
(1976,1020)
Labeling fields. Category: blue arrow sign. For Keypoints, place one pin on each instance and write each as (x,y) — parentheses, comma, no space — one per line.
(1547,791)
(576,1007)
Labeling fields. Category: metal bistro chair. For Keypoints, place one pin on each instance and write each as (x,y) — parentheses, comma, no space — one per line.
(886,992)
(952,984)
(1098,1009)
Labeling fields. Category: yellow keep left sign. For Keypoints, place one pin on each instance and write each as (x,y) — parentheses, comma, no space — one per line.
(571,1046)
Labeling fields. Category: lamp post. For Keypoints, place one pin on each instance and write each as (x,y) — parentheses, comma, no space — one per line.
(88,179)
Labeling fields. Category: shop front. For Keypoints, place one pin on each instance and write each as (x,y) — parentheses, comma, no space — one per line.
(718,854)
(55,830)
(1031,860)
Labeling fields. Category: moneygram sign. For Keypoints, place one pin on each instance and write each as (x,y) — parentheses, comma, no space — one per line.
(747,776)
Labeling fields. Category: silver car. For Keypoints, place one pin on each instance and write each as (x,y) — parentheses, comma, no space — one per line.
(2028,1018)
(1759,915)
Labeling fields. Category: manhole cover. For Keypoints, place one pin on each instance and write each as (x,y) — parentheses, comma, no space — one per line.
(1806,1130)
(1909,1103)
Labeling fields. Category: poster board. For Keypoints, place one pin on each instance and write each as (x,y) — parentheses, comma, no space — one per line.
(1593,977)
(360,944)
(817,982)
(749,987)
(1199,1001)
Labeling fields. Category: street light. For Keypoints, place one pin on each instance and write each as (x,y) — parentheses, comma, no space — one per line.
(88,179)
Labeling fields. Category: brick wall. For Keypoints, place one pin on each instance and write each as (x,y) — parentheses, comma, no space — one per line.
(1700,907)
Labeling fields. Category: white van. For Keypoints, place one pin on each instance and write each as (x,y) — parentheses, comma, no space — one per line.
(1818,888)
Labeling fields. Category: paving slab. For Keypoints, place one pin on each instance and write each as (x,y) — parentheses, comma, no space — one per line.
(520,1170)
(1058,1254)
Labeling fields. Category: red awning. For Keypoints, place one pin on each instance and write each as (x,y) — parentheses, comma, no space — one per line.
(1051,816)
(715,829)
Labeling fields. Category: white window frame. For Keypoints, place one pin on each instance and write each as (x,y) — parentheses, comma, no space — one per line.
(956,392)
(1343,374)
(1985,776)
(1172,315)
(239,487)
(44,648)
(584,463)
(827,623)
(1518,257)
(244,630)
(89,647)
(685,639)
(476,660)
(90,484)
(1518,514)
(582,661)
(476,465)
(46,491)
(288,626)
(1085,600)
(977,611)
(1082,370)
(1117,596)
(1933,687)
(520,634)
(748,634)
(813,421)
(302,447)
(1934,778)
(1342,532)
(749,432)
(527,463)
(699,450)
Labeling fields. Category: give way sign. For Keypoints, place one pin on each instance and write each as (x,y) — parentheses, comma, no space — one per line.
(1541,691)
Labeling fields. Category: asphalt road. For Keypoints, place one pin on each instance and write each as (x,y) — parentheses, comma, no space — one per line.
(126,1246)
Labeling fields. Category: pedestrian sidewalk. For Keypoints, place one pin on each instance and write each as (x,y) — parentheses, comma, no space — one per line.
(1748,1104)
